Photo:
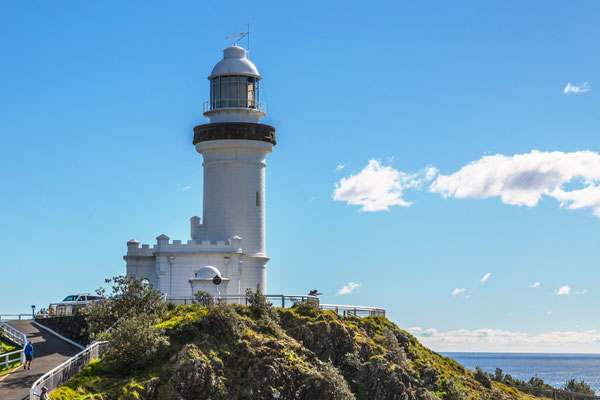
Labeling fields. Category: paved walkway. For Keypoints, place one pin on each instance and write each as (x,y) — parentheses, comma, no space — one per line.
(49,351)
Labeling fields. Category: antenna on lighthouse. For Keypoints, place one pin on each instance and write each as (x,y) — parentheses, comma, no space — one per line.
(237,36)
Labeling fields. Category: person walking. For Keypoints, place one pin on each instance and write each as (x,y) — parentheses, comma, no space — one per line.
(44,395)
(28,355)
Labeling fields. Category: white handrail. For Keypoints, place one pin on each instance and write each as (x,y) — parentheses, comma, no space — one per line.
(67,370)
(15,336)
(16,316)
(354,310)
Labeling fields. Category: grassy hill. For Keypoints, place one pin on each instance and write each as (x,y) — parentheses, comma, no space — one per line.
(230,352)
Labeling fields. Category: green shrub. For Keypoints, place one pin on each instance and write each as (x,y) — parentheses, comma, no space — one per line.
(133,343)
(578,387)
(453,392)
(129,297)
(204,298)
(260,308)
(307,308)
(396,353)
(483,377)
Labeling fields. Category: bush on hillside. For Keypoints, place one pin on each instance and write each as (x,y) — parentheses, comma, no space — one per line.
(483,377)
(260,308)
(128,297)
(308,308)
(578,387)
(133,343)
(453,392)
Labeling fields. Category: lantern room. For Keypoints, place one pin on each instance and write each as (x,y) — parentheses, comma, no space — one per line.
(234,89)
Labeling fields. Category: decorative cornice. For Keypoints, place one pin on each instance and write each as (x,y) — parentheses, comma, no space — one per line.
(234,130)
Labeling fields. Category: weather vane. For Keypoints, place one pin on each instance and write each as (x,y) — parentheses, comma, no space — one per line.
(237,36)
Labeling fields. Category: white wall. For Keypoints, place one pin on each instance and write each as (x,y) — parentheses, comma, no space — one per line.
(234,171)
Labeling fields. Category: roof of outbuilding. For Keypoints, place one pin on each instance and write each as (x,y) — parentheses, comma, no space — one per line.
(207,272)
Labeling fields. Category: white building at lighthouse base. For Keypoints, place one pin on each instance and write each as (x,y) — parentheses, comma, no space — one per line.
(181,269)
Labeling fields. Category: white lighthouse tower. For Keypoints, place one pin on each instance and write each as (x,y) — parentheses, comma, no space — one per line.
(229,241)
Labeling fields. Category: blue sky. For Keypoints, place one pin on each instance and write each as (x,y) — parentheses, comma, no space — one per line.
(99,100)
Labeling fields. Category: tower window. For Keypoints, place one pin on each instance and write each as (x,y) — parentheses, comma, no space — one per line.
(257,199)
(237,91)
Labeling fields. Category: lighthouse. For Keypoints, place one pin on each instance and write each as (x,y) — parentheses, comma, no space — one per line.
(229,240)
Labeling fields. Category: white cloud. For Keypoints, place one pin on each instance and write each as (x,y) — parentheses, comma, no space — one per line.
(581,291)
(340,167)
(468,296)
(485,278)
(563,290)
(523,179)
(186,188)
(458,291)
(500,340)
(585,87)
(378,187)
(534,285)
(349,288)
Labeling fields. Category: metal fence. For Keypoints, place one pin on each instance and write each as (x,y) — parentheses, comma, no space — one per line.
(556,394)
(356,311)
(17,337)
(278,300)
(67,370)
(286,300)
(15,316)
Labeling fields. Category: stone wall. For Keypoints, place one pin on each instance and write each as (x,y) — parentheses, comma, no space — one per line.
(73,327)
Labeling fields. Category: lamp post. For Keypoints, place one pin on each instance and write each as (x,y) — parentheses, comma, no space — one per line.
(33,311)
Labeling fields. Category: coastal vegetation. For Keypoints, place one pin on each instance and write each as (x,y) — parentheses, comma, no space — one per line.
(486,378)
(578,387)
(261,352)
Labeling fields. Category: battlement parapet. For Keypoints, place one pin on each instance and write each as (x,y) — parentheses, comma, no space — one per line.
(233,245)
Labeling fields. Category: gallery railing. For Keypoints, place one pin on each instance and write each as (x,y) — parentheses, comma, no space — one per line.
(220,104)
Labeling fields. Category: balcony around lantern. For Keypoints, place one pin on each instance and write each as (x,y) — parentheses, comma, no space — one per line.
(237,104)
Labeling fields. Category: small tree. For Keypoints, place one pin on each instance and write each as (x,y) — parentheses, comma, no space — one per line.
(536,382)
(483,377)
(260,308)
(499,375)
(127,297)
(204,298)
(578,387)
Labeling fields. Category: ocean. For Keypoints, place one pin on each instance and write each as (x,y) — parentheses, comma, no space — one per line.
(554,369)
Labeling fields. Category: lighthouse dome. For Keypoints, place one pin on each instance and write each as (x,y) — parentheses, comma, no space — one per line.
(234,62)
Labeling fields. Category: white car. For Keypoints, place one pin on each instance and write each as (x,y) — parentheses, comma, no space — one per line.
(74,303)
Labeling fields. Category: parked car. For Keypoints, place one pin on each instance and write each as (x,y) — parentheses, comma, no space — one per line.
(73,304)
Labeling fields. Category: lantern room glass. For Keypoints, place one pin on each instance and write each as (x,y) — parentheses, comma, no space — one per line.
(237,91)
